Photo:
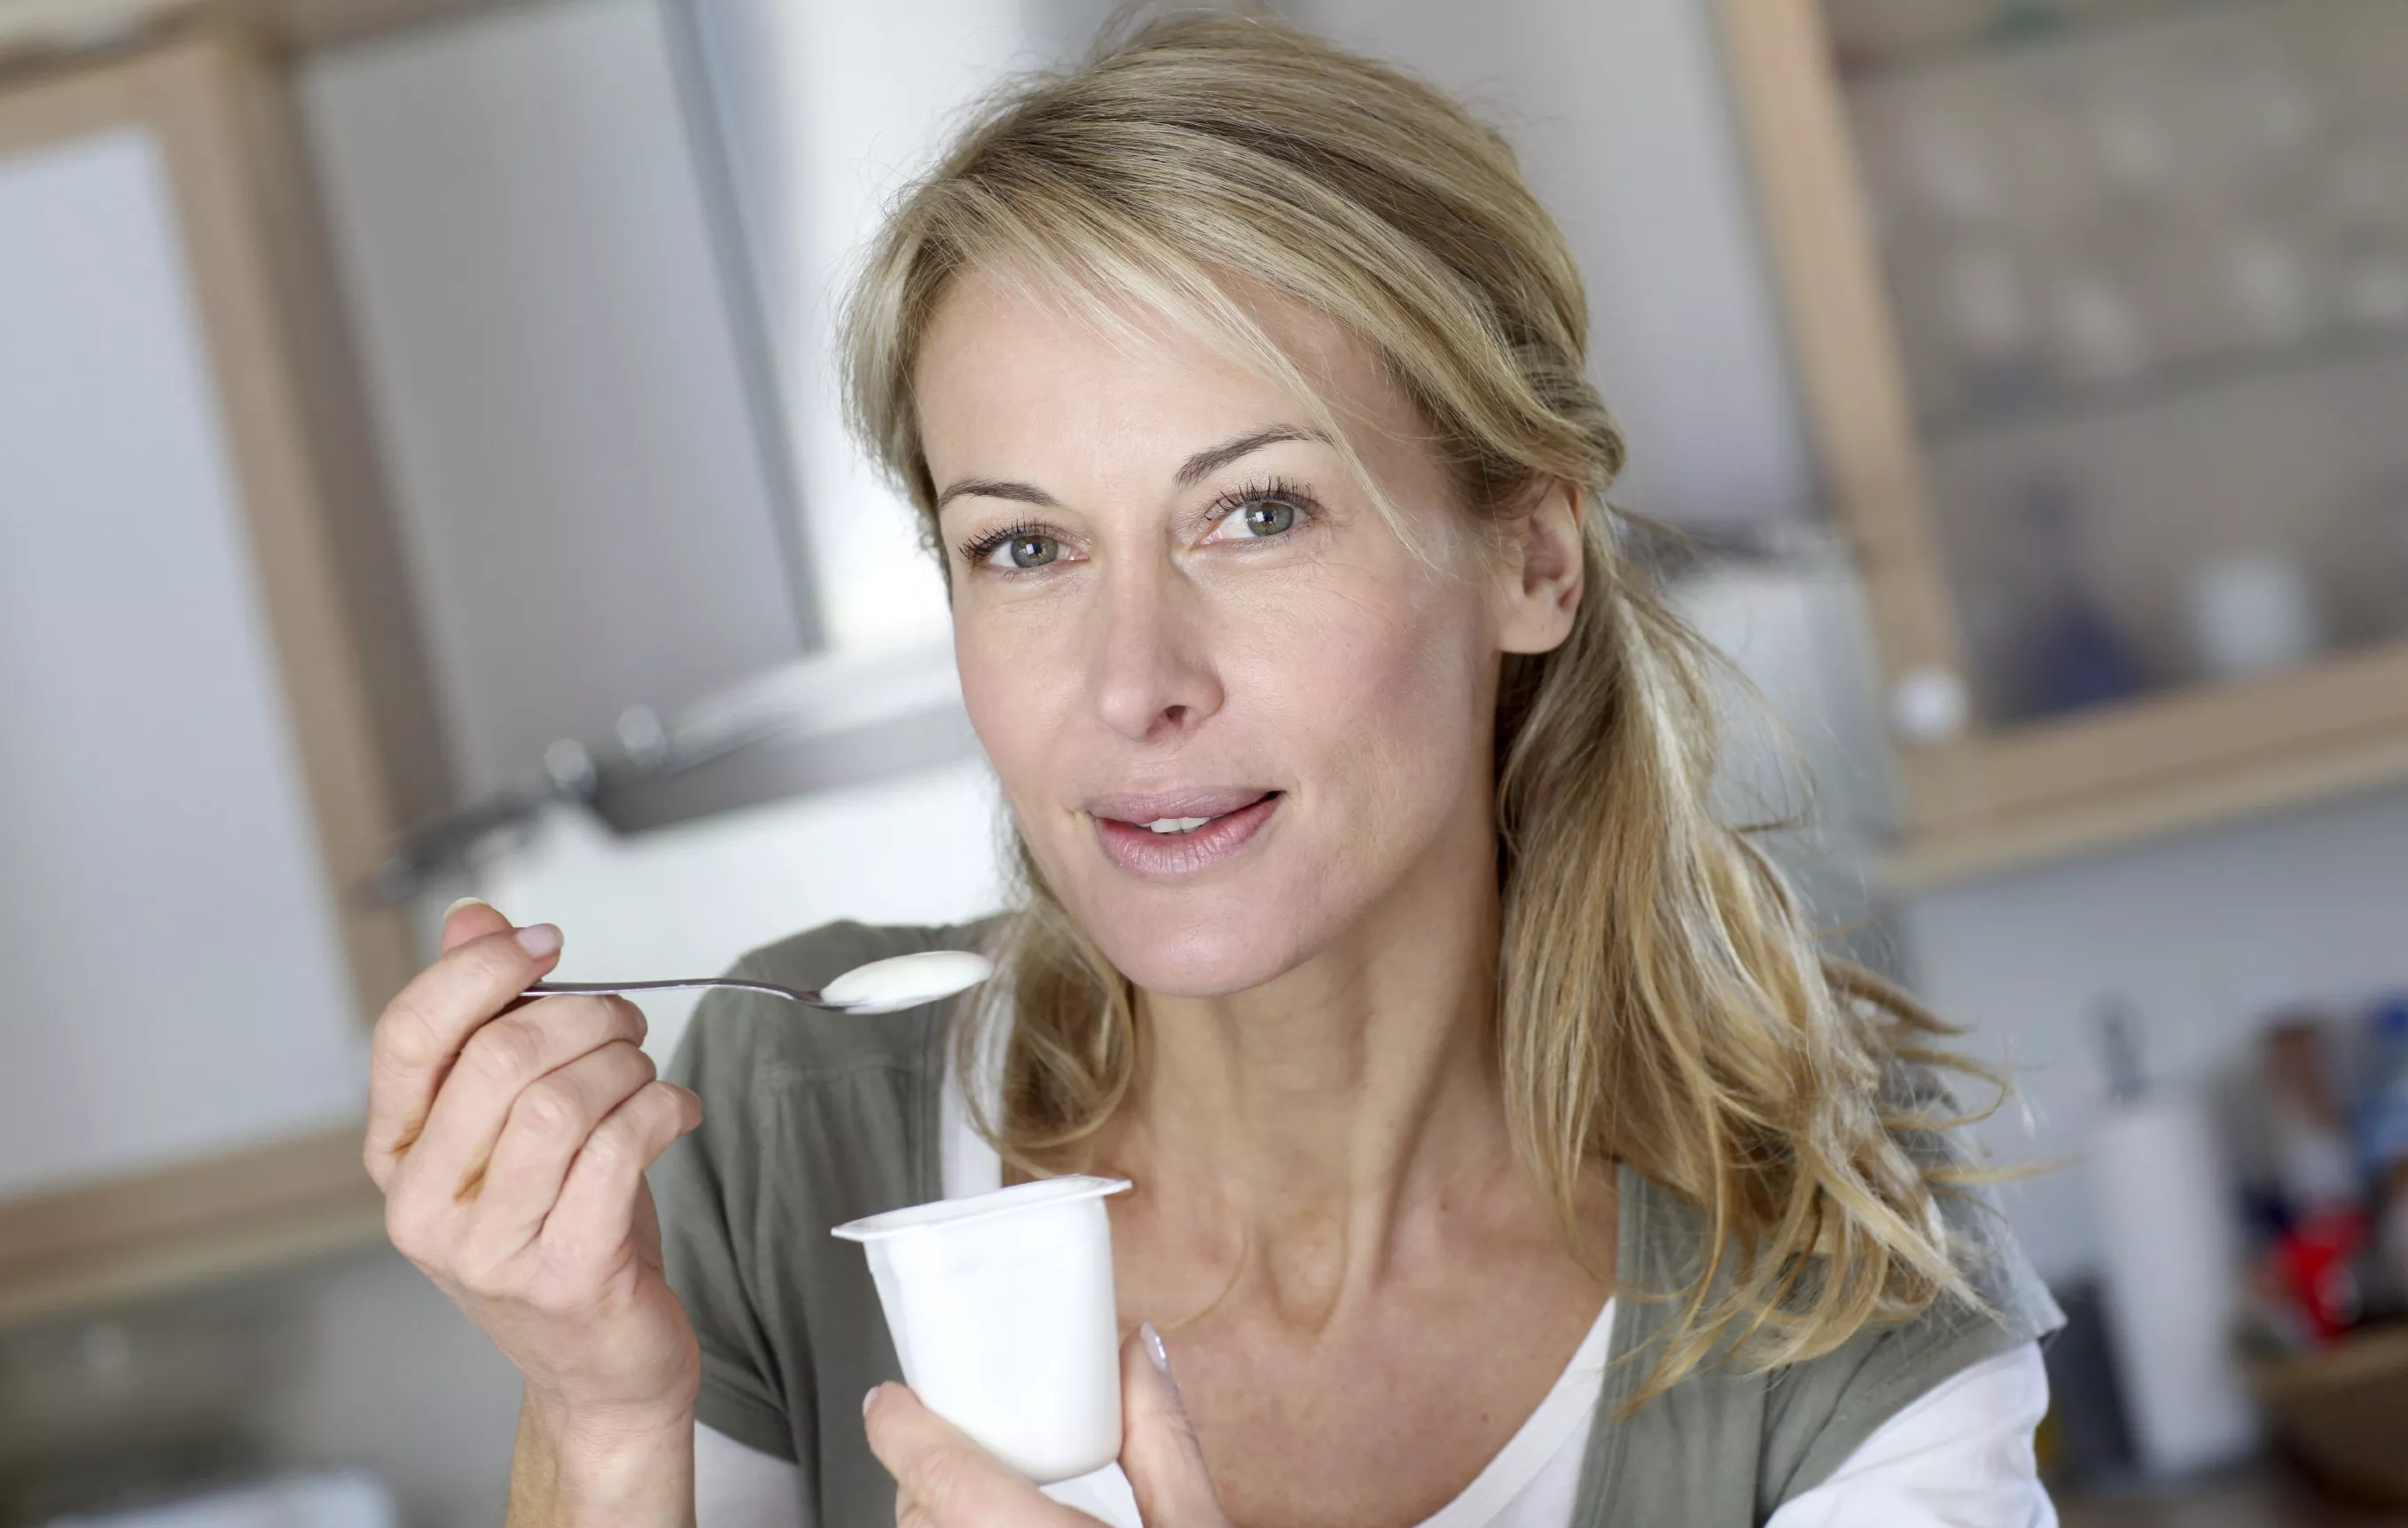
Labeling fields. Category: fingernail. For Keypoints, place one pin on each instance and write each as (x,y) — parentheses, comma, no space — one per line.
(1159,1354)
(539,939)
(464,902)
(870,1399)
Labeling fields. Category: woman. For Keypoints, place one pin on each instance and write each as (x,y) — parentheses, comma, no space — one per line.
(1506,1153)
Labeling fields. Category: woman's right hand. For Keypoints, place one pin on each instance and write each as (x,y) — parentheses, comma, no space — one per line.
(511,1140)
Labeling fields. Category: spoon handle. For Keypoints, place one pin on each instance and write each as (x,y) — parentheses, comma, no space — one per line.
(543,988)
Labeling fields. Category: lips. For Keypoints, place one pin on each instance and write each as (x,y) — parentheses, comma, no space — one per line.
(1150,835)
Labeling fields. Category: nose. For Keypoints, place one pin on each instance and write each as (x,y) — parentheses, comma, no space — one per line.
(1155,681)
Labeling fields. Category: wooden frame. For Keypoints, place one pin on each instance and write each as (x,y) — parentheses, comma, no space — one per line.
(86,1248)
(1981,799)
(33,29)
(327,579)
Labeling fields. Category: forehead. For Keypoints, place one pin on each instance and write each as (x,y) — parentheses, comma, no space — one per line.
(1001,371)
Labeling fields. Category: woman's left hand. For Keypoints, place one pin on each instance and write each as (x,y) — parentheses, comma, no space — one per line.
(944,1481)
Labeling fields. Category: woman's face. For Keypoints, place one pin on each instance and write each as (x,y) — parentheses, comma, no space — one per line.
(1233,713)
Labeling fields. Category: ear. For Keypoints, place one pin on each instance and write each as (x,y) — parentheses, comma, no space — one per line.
(1540,573)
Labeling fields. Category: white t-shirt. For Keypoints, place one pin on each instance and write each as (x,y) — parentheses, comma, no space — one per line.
(1959,1456)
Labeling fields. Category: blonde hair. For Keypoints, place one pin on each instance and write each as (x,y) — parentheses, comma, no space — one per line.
(1661,998)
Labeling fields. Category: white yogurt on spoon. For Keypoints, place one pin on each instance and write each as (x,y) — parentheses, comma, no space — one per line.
(906,981)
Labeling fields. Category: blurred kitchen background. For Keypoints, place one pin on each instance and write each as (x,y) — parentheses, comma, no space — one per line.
(420,475)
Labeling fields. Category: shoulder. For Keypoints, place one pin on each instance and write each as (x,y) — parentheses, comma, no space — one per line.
(1820,1411)
(2016,1307)
(1959,1453)
(1802,1420)
(1665,1239)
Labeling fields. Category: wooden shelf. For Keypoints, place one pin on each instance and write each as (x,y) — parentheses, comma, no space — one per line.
(2154,808)
(2340,704)
(90,1246)
(2175,761)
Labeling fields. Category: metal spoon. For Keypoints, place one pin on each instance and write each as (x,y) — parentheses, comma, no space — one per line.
(809,1000)
(887,986)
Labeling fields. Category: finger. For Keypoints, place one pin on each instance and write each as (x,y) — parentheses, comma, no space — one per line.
(502,1059)
(548,1126)
(422,1029)
(949,1481)
(597,1208)
(1159,1454)
(471,918)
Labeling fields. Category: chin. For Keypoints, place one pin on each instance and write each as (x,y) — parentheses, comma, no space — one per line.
(1178,959)
(1204,940)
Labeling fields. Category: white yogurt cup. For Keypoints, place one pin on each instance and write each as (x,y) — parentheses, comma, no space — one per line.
(1001,1308)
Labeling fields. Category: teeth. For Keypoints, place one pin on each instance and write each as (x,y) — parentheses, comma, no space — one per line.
(1177,824)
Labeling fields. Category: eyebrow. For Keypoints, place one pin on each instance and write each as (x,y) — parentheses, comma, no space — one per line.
(1191,472)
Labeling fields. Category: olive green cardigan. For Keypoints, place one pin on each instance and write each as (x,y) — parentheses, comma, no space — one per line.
(813,1120)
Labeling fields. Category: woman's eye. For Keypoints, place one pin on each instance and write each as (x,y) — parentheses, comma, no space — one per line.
(1024,552)
(1262,517)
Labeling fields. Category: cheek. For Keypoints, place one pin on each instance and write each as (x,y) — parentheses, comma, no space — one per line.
(1382,671)
(993,681)
(1020,695)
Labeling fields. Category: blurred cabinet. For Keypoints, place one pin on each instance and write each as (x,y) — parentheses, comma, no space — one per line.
(2100,311)
(197,764)
(588,477)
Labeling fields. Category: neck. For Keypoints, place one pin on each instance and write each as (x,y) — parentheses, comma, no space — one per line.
(1313,1128)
